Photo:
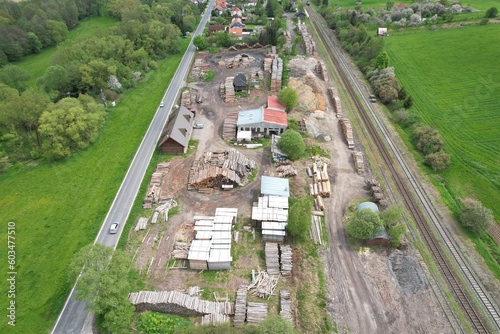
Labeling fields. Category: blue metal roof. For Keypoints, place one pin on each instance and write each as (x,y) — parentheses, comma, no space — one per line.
(251,116)
(275,186)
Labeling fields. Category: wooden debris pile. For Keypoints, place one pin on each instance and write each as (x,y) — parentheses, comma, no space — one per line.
(240,60)
(263,286)
(181,251)
(161,212)
(154,188)
(321,70)
(358,162)
(214,319)
(214,169)
(377,194)
(177,303)
(309,43)
(286,170)
(337,105)
(315,230)
(229,129)
(272,258)
(226,90)
(256,312)
(240,306)
(347,130)
(188,98)
(141,224)
(194,291)
(286,260)
(286,305)
(200,66)
(320,186)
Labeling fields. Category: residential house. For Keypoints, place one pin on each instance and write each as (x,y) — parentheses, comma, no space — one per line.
(216,28)
(177,132)
(263,122)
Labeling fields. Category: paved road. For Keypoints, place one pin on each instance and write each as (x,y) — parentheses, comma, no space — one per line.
(74,314)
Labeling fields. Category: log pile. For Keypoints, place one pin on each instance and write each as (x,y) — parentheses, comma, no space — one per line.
(321,70)
(240,60)
(163,209)
(177,303)
(263,286)
(288,37)
(272,258)
(358,162)
(286,305)
(213,169)
(188,98)
(347,130)
(315,230)
(154,188)
(193,291)
(309,43)
(181,251)
(229,129)
(214,319)
(276,74)
(320,186)
(377,193)
(141,224)
(240,306)
(286,171)
(200,66)
(256,312)
(286,259)
(226,90)
(337,106)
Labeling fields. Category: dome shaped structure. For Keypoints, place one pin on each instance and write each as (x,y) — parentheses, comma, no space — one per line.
(368,205)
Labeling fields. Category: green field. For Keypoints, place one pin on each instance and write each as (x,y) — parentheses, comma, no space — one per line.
(482,5)
(59,207)
(454,79)
(37,64)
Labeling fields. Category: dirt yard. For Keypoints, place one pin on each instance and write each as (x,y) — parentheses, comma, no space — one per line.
(367,291)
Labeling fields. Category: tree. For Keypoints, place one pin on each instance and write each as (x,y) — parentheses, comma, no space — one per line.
(103,284)
(363,224)
(438,160)
(491,13)
(408,102)
(95,74)
(288,97)
(428,140)
(392,215)
(382,61)
(395,232)
(475,216)
(299,219)
(55,79)
(292,144)
(389,5)
(14,76)
(200,42)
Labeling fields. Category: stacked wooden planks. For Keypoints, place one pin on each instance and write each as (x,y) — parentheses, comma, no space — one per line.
(177,303)
(226,90)
(276,74)
(272,258)
(286,170)
(263,286)
(229,129)
(256,312)
(240,60)
(320,186)
(215,319)
(377,193)
(240,306)
(347,130)
(286,305)
(358,162)
(321,70)
(315,230)
(188,98)
(286,260)
(181,250)
(154,188)
(337,105)
(309,43)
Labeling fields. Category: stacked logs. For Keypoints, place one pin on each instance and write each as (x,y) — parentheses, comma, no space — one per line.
(337,106)
(309,43)
(272,258)
(240,306)
(226,90)
(358,162)
(347,130)
(285,305)
(286,259)
(321,70)
(320,186)
(286,171)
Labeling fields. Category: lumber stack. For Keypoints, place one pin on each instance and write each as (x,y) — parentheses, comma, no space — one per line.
(286,305)
(214,319)
(181,251)
(263,286)
(337,106)
(240,306)
(229,129)
(177,303)
(347,131)
(315,230)
(276,74)
(141,224)
(309,43)
(226,90)
(240,60)
(321,70)
(286,259)
(256,312)
(377,193)
(272,258)
(286,171)
(154,188)
(359,164)
(188,98)
(320,182)
(200,66)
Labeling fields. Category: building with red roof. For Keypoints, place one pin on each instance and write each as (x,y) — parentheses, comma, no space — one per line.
(262,122)
(273,104)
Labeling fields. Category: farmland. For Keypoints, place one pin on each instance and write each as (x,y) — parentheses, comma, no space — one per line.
(476,4)
(453,79)
(59,207)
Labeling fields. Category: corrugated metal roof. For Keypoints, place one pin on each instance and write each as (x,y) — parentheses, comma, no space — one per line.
(272,103)
(203,235)
(269,214)
(275,186)
(251,116)
(275,202)
(204,223)
(233,212)
(221,227)
(220,255)
(223,220)
(203,228)
(275,117)
(198,255)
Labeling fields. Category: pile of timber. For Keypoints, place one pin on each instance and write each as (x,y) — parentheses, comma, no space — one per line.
(240,306)
(263,285)
(337,106)
(315,230)
(154,188)
(358,162)
(286,305)
(256,312)
(229,129)
(214,319)
(320,186)
(181,250)
(288,37)
(347,130)
(226,90)
(268,60)
(214,169)
(188,98)
(309,43)
(272,258)
(161,211)
(200,66)
(377,193)
(141,224)
(321,70)
(286,260)
(286,170)
(276,74)
(175,302)
(193,291)
(240,60)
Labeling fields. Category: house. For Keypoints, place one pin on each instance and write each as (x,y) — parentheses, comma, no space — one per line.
(216,28)
(300,15)
(237,31)
(236,23)
(273,104)
(263,122)
(382,32)
(236,12)
(240,83)
(220,6)
(177,132)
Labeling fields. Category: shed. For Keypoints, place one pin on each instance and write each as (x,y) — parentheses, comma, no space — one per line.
(300,15)
(368,205)
(240,83)
(199,253)
(177,132)
(244,136)
(220,259)
(275,186)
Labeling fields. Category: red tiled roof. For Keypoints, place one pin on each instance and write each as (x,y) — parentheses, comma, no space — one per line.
(236,31)
(276,117)
(272,103)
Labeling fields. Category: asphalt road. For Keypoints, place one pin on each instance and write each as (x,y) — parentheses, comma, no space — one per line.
(74,314)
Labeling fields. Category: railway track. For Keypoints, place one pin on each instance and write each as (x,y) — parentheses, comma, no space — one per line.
(415,200)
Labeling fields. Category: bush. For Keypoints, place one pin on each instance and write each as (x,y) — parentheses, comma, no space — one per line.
(491,13)
(484,22)
(363,224)
(438,161)
(476,217)
(299,219)
(428,140)
(395,232)
(292,144)
(288,97)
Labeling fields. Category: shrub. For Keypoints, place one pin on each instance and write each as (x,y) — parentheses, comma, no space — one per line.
(400,115)
(428,140)
(292,144)
(492,12)
(395,233)
(438,160)
(299,219)
(288,97)
(475,216)
(363,224)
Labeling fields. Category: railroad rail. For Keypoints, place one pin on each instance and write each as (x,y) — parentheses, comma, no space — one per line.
(421,209)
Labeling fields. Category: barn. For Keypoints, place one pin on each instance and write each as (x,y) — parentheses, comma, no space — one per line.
(262,122)
(240,82)
(177,132)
